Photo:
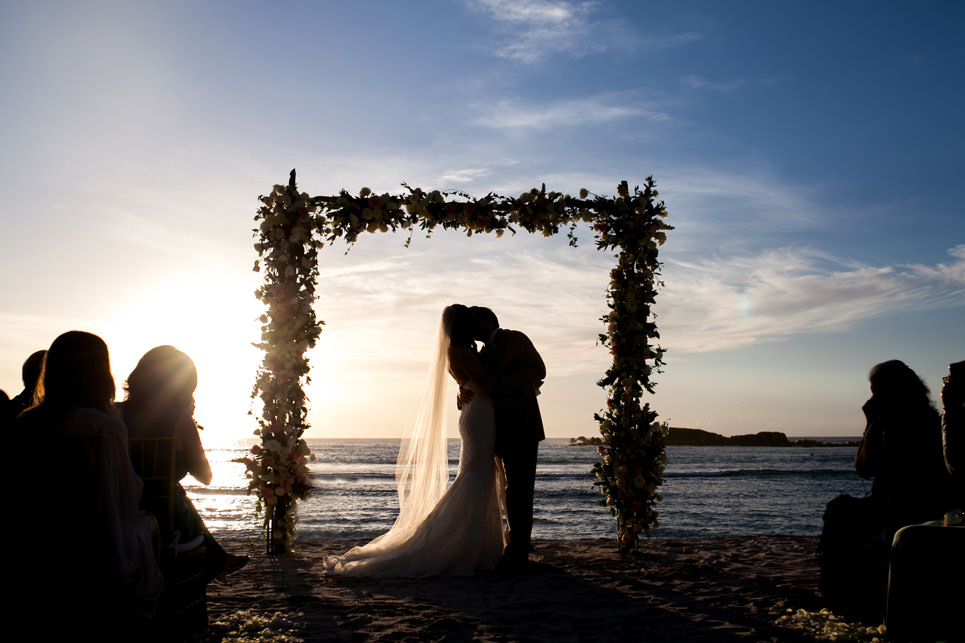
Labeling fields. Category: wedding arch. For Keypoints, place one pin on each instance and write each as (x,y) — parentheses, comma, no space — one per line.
(291,229)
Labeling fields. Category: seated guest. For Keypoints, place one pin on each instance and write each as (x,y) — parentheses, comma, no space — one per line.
(93,551)
(160,404)
(30,374)
(901,450)
(953,429)
(926,583)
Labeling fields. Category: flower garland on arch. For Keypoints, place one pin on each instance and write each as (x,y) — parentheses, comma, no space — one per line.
(293,227)
(277,469)
(633,453)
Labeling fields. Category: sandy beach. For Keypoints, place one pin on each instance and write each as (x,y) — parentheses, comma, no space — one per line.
(761,588)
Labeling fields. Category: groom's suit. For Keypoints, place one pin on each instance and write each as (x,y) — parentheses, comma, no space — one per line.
(519,369)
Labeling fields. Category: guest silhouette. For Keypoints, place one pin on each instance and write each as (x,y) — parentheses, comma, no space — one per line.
(901,450)
(160,404)
(921,607)
(953,429)
(90,545)
(6,413)
(30,374)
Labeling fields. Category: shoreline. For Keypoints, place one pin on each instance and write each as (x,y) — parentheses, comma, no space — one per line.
(694,589)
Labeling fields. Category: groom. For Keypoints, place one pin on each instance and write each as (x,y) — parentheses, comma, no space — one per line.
(518,371)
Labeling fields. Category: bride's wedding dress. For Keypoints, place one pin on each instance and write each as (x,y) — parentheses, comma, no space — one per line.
(461,534)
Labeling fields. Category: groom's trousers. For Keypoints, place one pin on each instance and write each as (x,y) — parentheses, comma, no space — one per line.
(520,465)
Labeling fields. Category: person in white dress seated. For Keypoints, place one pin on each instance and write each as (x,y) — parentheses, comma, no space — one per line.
(440,531)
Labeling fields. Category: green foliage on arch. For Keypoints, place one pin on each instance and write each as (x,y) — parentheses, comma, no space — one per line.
(291,229)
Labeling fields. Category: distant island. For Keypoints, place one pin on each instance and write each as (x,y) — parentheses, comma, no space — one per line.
(699,438)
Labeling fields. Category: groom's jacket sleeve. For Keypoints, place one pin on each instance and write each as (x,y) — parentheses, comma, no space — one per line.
(526,371)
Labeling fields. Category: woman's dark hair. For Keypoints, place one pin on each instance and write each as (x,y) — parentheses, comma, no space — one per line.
(164,376)
(77,373)
(458,324)
(32,369)
(893,381)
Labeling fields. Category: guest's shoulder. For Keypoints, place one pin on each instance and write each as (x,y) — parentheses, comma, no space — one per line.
(90,420)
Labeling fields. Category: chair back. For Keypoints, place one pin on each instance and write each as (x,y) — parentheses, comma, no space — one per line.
(153,460)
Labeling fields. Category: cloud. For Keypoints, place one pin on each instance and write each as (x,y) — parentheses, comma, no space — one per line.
(698,82)
(708,206)
(513,114)
(531,30)
(537,28)
(465,175)
(731,301)
(951,274)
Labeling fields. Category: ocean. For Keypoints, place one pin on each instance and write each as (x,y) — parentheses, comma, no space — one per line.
(707,491)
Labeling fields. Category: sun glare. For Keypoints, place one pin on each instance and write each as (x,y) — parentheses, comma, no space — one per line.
(212,318)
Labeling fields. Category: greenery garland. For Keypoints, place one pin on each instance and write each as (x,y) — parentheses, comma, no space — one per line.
(293,227)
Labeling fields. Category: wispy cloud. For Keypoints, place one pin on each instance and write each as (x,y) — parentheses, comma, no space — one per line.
(534,29)
(531,30)
(514,114)
(465,175)
(709,205)
(727,302)
(699,82)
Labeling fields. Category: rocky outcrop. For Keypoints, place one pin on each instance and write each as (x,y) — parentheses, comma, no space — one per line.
(699,438)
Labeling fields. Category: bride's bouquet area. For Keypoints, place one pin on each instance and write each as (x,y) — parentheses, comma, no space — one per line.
(293,227)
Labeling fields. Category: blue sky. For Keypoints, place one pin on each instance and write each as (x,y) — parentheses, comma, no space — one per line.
(810,154)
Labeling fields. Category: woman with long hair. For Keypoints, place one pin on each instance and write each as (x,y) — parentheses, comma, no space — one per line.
(160,404)
(901,449)
(91,538)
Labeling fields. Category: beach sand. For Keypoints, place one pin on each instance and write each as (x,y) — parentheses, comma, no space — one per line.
(760,588)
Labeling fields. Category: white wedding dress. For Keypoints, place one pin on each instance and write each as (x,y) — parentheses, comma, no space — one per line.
(461,534)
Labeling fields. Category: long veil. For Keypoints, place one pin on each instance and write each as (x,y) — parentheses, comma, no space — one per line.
(422,473)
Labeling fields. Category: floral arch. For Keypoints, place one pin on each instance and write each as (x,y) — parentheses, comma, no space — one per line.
(293,227)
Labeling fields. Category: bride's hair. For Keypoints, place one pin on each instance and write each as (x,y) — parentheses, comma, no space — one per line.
(457,324)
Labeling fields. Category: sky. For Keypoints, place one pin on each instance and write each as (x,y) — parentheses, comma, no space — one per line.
(809,154)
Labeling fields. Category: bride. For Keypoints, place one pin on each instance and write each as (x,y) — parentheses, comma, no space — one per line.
(456,531)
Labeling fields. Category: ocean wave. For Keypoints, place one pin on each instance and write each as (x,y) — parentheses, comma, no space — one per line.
(761,473)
